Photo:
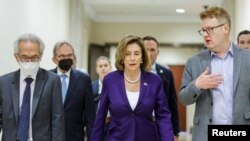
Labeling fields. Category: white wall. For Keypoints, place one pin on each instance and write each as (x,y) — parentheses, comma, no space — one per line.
(164,32)
(80,29)
(242,20)
(175,56)
(49,19)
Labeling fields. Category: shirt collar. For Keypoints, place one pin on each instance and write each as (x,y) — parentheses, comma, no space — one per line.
(153,67)
(99,82)
(229,51)
(23,76)
(99,86)
(60,73)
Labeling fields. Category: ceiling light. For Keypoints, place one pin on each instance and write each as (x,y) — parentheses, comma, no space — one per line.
(180,10)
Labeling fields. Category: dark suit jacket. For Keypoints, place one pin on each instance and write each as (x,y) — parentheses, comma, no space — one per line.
(170,93)
(47,112)
(78,102)
(95,88)
(137,124)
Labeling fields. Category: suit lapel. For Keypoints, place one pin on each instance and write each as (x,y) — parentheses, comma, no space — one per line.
(143,89)
(159,71)
(236,66)
(96,87)
(144,86)
(39,85)
(72,84)
(123,90)
(15,94)
(206,62)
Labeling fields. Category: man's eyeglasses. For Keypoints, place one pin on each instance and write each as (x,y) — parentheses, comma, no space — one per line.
(208,30)
(24,58)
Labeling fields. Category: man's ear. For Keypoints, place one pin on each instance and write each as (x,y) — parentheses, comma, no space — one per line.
(16,56)
(55,60)
(227,28)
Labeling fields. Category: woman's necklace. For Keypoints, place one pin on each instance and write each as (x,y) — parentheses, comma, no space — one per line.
(133,81)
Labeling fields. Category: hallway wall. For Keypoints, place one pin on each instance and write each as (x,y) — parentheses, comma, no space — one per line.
(49,19)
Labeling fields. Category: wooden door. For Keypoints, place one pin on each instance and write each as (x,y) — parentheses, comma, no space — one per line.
(177,73)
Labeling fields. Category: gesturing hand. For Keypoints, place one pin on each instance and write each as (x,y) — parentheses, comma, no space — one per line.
(207,81)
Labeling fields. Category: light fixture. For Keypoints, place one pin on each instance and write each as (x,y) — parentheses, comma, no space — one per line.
(180,10)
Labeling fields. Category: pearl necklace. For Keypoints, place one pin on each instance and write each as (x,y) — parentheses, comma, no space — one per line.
(133,81)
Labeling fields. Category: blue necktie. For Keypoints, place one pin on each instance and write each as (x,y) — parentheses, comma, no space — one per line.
(24,118)
(64,86)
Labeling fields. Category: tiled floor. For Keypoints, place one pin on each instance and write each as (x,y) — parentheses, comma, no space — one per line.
(183,137)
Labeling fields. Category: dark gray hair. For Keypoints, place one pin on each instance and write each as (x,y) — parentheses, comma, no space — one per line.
(244,32)
(59,44)
(29,37)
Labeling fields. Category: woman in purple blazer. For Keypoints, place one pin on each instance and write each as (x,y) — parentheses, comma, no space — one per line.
(132,94)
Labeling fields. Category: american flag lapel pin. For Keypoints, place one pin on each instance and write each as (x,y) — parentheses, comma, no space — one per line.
(161,71)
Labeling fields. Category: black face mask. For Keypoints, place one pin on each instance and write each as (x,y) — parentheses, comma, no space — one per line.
(65,64)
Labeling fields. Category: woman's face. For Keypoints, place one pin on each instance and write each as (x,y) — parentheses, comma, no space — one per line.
(133,57)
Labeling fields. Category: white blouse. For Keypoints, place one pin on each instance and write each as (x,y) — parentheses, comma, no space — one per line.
(133,98)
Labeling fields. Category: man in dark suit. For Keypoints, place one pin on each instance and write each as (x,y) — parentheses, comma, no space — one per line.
(31,97)
(78,101)
(166,75)
(103,67)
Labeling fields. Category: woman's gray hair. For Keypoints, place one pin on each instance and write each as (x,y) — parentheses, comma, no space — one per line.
(29,37)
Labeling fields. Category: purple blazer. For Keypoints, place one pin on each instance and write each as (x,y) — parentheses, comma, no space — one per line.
(133,125)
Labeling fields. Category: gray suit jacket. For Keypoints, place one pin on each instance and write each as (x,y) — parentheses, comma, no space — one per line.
(204,99)
(47,112)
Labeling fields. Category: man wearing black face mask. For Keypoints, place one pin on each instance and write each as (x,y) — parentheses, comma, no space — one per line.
(76,93)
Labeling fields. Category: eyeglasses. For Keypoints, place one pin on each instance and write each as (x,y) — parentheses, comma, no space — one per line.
(62,56)
(208,30)
(25,58)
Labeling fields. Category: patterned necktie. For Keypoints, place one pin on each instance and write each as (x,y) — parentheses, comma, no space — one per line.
(24,118)
(64,86)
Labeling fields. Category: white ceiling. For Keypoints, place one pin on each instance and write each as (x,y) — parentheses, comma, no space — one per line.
(146,10)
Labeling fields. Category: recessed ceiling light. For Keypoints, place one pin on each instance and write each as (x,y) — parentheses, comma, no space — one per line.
(180,10)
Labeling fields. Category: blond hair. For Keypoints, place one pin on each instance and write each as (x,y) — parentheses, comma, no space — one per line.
(217,12)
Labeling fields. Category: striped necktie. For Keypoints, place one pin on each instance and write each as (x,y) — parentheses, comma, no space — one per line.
(24,118)
(64,86)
